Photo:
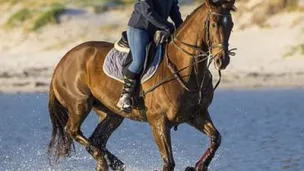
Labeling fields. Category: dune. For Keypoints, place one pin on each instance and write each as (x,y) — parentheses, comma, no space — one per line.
(267,56)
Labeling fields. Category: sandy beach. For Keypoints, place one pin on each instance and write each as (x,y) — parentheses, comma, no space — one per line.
(268,56)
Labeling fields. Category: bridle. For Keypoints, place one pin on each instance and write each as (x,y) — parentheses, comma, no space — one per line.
(197,59)
(207,37)
(202,56)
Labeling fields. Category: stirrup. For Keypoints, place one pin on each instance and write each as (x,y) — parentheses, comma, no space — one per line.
(125,103)
(127,109)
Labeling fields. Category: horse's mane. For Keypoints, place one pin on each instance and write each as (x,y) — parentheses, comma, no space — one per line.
(194,12)
(189,17)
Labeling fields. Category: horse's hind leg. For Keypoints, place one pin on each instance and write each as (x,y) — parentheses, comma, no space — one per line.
(108,124)
(203,123)
(78,112)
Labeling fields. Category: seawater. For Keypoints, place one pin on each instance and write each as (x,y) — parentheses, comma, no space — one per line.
(262,130)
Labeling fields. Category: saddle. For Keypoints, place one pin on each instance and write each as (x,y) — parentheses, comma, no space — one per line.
(120,57)
(122,45)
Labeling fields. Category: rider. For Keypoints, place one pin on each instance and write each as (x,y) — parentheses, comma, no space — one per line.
(148,17)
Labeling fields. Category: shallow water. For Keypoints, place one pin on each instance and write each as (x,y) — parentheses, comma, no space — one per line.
(262,130)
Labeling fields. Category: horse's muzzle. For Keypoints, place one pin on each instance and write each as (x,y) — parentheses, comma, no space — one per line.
(221,61)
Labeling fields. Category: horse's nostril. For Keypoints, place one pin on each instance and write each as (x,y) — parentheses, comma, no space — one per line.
(218,62)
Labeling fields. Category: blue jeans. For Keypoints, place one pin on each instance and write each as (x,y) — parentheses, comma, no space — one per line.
(138,40)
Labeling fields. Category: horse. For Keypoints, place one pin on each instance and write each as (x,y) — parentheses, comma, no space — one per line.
(79,85)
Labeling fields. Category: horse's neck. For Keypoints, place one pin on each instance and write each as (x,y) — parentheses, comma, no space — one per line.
(191,32)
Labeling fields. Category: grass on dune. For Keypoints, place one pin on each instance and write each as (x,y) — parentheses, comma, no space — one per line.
(36,14)
(267,9)
(51,15)
(31,3)
(18,18)
(34,18)
(294,50)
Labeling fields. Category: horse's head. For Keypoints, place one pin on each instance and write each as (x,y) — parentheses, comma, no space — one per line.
(218,27)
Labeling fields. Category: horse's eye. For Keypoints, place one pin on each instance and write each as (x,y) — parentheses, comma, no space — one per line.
(213,25)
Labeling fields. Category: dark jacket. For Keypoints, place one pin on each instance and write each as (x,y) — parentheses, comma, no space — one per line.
(152,15)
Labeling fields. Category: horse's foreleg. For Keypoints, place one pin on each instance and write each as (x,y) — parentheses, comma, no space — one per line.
(161,132)
(204,124)
(108,124)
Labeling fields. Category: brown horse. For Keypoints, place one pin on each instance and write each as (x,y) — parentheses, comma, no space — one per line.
(79,85)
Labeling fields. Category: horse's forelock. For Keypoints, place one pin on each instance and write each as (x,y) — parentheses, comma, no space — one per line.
(227,4)
(229,7)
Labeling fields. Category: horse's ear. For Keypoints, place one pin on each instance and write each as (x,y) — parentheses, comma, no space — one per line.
(228,4)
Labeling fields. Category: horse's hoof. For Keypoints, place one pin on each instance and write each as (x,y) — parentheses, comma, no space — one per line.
(101,167)
(204,168)
(119,168)
(190,169)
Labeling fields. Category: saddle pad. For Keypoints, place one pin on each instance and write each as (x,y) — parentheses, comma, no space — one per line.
(113,64)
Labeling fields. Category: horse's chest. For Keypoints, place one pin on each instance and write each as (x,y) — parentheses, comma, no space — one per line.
(189,103)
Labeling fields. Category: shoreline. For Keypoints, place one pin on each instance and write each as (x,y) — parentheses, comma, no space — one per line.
(255,82)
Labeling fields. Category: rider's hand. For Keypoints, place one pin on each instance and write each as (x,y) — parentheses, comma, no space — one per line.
(165,37)
(170,29)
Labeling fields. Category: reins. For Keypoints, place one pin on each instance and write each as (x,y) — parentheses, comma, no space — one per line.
(175,73)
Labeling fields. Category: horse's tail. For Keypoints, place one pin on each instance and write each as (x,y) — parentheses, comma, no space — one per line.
(61,144)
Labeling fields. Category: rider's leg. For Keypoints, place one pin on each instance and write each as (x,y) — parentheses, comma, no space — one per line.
(138,40)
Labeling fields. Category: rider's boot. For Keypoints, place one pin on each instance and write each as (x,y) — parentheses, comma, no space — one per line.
(125,102)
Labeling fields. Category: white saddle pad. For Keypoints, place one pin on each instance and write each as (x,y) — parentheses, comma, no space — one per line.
(115,59)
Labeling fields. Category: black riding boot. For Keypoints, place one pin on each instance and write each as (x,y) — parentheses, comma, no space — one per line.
(130,82)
